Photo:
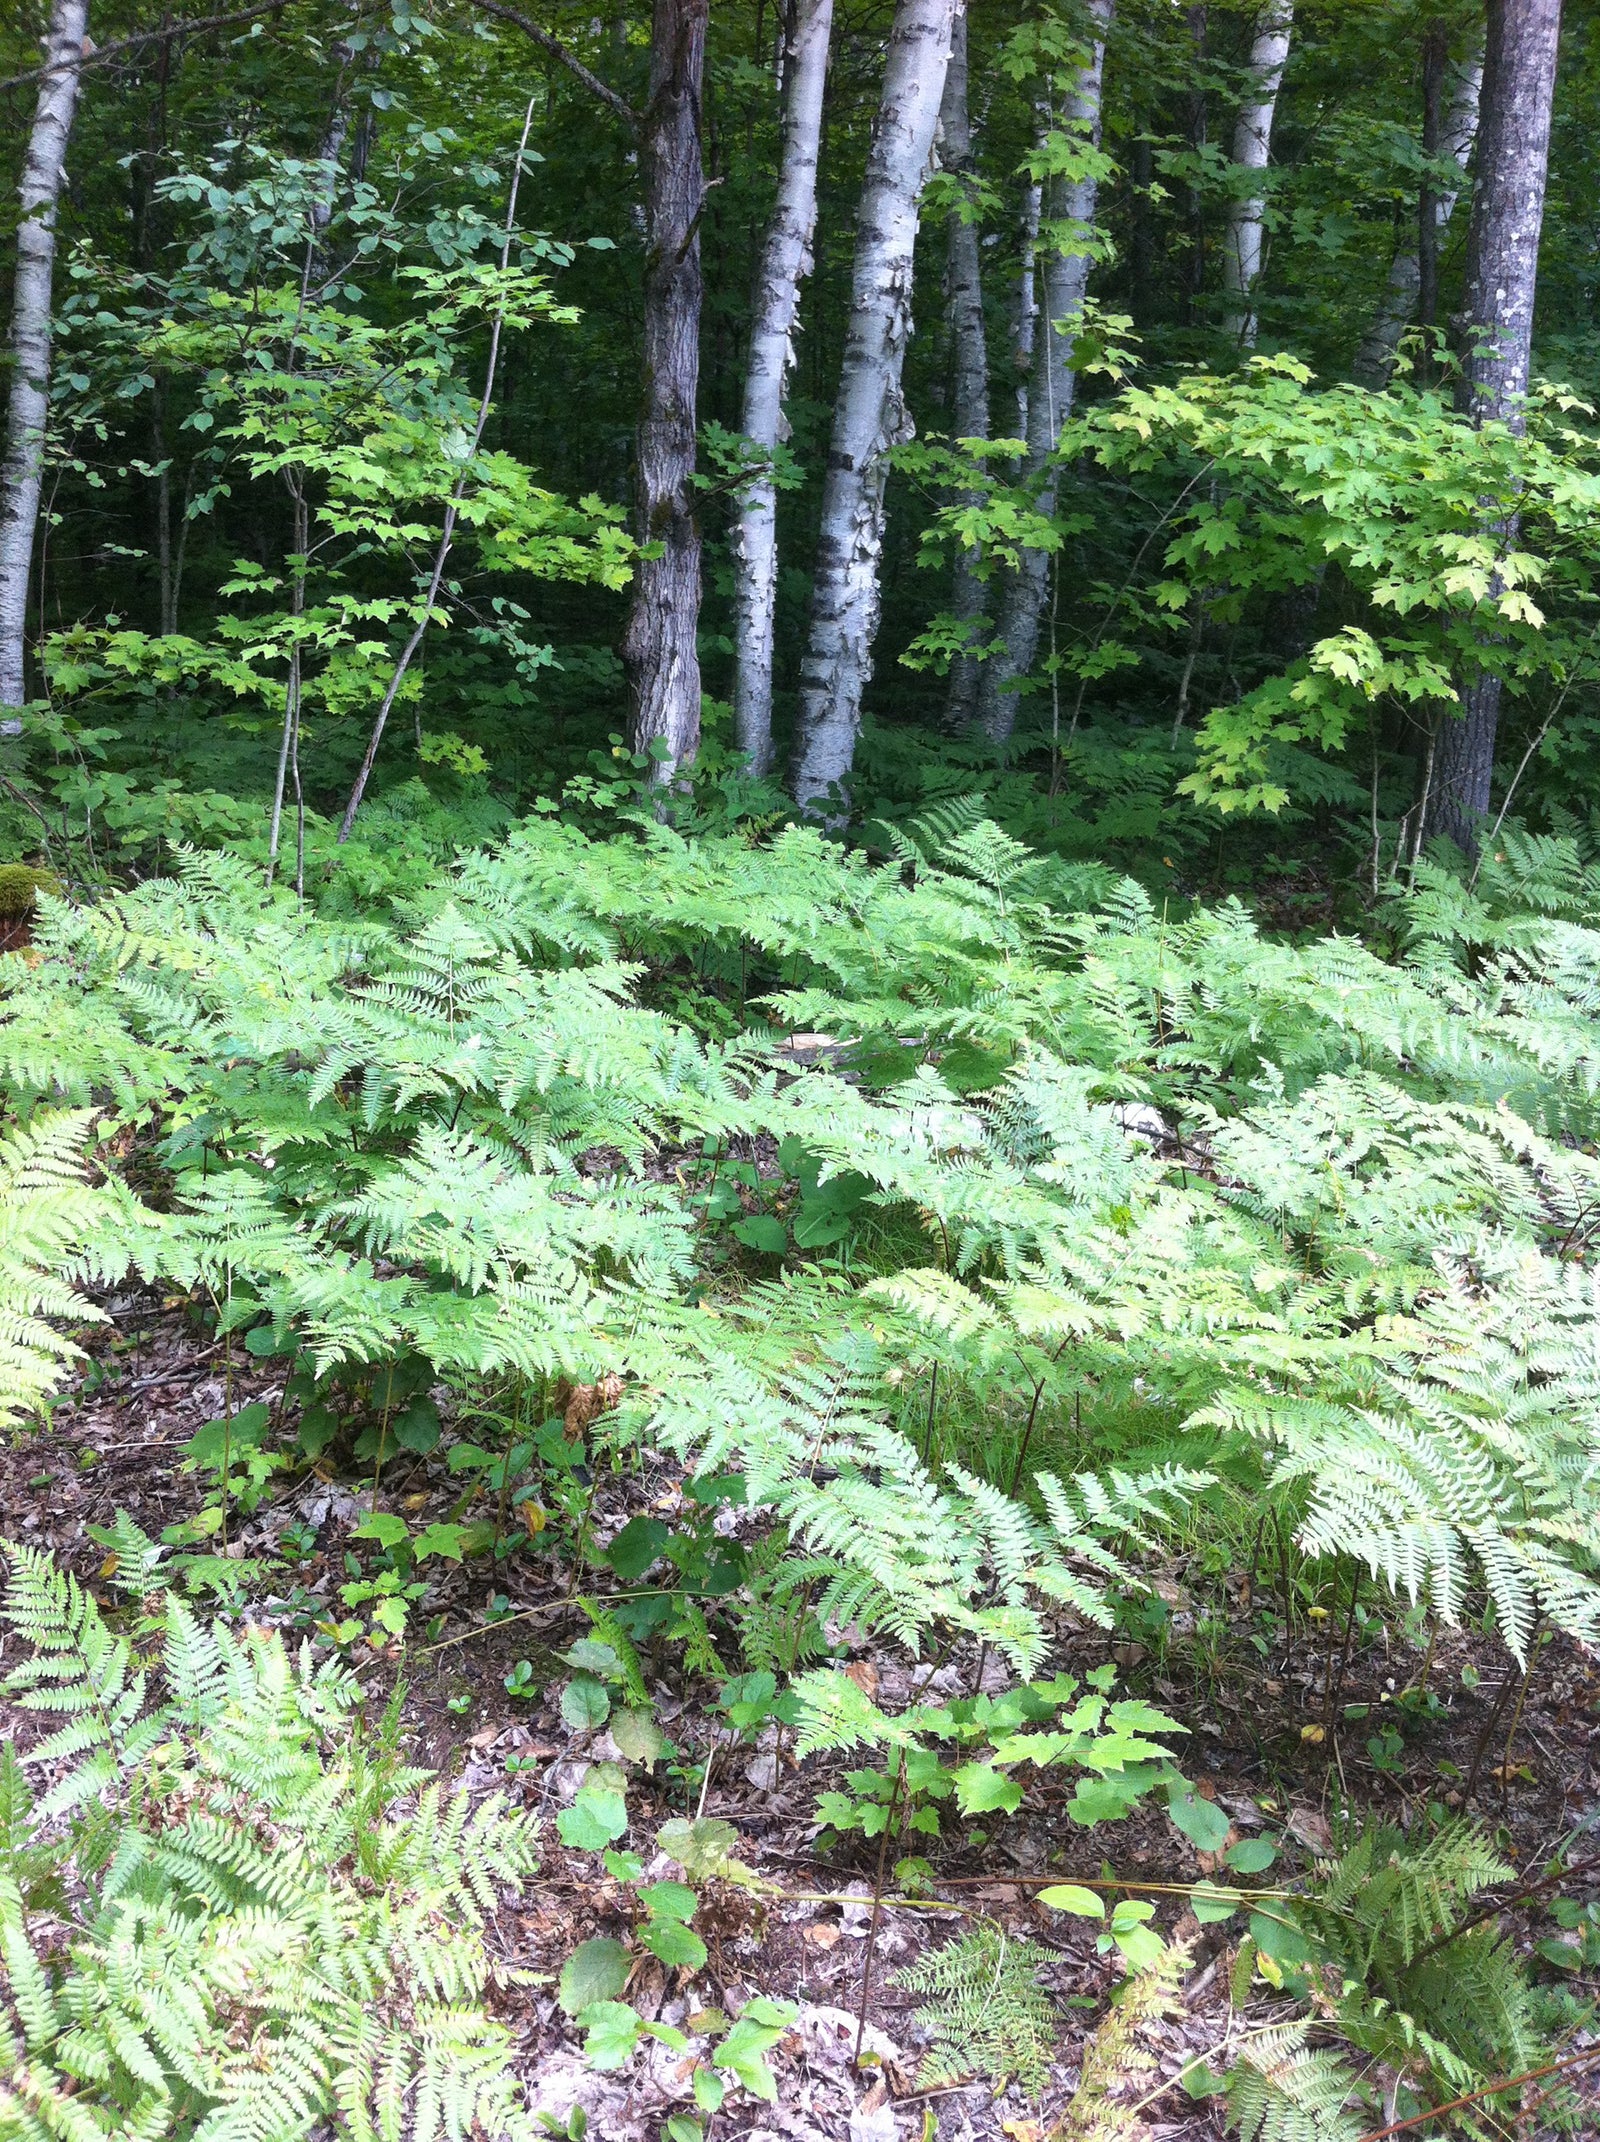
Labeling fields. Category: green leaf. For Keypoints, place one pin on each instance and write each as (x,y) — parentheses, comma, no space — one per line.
(612,2031)
(683,2127)
(703,1848)
(709,2089)
(763,1233)
(1212,1905)
(1275,1936)
(743,2050)
(595,1971)
(1252,1855)
(1103,1800)
(983,1790)
(384,1527)
(596,1818)
(585,1706)
(443,1540)
(592,1657)
(1204,1823)
(1067,1896)
(637,1547)
(417,1428)
(639,1739)
(676,1945)
(669,1900)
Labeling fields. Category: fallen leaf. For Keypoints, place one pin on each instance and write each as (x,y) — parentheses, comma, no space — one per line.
(865,1676)
(821,1934)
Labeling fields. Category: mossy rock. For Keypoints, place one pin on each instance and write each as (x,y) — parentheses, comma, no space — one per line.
(21,885)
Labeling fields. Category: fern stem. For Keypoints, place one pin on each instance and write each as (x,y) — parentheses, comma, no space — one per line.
(877,1899)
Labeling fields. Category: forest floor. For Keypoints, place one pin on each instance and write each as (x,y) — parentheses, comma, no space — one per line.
(1264,1742)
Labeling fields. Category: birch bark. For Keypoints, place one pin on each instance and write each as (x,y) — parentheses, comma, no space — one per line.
(969,387)
(869,414)
(1502,271)
(1062,274)
(785,262)
(28,410)
(1252,151)
(1403,294)
(659,646)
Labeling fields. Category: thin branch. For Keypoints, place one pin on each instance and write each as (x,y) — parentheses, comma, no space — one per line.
(452,511)
(558,51)
(164,35)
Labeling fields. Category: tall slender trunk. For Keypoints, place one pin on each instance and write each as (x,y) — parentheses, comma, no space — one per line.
(1252,151)
(659,646)
(785,261)
(1198,23)
(969,386)
(1064,276)
(1502,270)
(28,412)
(1412,290)
(869,415)
(1025,322)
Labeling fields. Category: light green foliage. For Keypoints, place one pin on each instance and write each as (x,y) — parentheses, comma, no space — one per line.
(1343,1262)
(981,1998)
(269,1921)
(50,1221)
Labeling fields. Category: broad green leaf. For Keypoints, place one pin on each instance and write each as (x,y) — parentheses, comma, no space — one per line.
(595,1971)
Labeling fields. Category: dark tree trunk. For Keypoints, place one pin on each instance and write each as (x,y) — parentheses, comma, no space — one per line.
(659,646)
(969,358)
(1502,267)
(1434,56)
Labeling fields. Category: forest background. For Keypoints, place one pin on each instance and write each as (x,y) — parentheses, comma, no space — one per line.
(802,926)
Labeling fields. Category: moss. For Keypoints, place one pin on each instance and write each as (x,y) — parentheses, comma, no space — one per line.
(20,886)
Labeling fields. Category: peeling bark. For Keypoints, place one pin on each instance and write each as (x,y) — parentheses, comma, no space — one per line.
(869,416)
(1063,275)
(1502,271)
(785,262)
(659,647)
(28,410)
(1252,151)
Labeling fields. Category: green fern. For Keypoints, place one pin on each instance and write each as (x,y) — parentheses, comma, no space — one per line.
(982,2001)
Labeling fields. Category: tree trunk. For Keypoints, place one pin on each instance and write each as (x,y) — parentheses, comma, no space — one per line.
(1412,290)
(659,646)
(869,416)
(27,418)
(785,261)
(1198,22)
(1252,151)
(1024,326)
(1502,269)
(1064,276)
(969,395)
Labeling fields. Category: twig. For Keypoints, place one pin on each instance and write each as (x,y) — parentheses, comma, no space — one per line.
(558,51)
(452,511)
(877,1899)
(165,35)
(1473,2097)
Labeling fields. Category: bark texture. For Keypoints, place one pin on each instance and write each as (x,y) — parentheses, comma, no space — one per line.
(1502,272)
(1252,151)
(28,409)
(1411,291)
(659,646)
(869,414)
(1062,275)
(785,262)
(969,356)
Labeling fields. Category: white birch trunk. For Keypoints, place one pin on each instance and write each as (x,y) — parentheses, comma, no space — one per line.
(1062,274)
(969,396)
(1027,315)
(1397,308)
(1252,151)
(28,413)
(785,262)
(869,416)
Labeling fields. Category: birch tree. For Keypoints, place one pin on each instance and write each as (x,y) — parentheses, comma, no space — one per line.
(1062,274)
(1502,271)
(869,416)
(785,262)
(1252,152)
(1411,291)
(28,406)
(969,355)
